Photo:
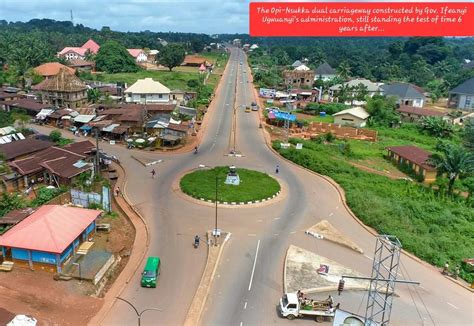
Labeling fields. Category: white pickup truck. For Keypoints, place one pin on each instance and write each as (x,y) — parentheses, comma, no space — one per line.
(292,307)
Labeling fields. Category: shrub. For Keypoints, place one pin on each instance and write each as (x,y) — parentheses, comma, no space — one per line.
(432,226)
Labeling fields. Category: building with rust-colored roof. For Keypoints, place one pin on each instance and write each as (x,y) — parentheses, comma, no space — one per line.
(53,165)
(50,69)
(412,114)
(195,61)
(416,159)
(21,148)
(49,236)
(63,90)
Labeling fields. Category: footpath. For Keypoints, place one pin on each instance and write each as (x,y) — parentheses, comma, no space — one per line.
(138,251)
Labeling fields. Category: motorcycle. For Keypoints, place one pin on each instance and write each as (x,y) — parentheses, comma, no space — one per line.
(196,242)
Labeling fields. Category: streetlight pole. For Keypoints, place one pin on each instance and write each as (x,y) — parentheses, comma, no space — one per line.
(215,229)
(139,314)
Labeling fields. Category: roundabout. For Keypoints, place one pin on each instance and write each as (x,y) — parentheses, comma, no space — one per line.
(220,183)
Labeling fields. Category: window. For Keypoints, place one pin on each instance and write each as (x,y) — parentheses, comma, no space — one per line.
(292,306)
(160,95)
(468,102)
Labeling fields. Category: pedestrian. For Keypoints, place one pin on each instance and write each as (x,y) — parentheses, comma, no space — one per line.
(331,301)
(277,169)
(153,173)
(117,191)
(445,269)
(456,272)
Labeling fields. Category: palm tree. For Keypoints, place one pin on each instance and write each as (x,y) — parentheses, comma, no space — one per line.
(454,161)
(344,70)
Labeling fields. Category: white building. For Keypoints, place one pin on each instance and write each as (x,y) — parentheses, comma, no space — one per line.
(138,54)
(147,91)
(353,117)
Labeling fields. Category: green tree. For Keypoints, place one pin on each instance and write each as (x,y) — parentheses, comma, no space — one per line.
(344,70)
(10,201)
(113,58)
(93,95)
(55,136)
(436,126)
(453,161)
(468,135)
(172,56)
(382,111)
(469,184)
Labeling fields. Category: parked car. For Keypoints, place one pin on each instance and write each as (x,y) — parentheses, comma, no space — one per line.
(254,106)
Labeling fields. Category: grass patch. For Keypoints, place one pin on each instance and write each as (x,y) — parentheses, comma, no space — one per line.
(326,119)
(171,79)
(254,185)
(435,228)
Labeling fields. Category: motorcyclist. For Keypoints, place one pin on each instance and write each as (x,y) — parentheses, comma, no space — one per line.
(196,240)
(195,150)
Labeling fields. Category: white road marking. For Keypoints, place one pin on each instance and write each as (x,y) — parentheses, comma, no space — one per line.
(252,235)
(245,305)
(277,218)
(331,214)
(452,305)
(241,323)
(276,234)
(254,264)
(292,232)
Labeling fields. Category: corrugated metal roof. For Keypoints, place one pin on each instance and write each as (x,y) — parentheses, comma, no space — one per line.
(52,228)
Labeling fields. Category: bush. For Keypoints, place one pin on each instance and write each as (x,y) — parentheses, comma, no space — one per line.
(55,136)
(434,227)
(44,195)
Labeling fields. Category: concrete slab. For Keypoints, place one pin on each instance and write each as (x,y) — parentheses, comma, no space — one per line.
(301,273)
(330,233)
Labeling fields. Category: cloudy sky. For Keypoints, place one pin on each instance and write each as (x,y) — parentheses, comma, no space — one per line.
(198,16)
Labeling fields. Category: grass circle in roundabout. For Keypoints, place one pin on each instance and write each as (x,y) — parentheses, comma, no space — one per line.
(253,185)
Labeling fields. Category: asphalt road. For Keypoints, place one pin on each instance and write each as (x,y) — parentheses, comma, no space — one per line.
(249,279)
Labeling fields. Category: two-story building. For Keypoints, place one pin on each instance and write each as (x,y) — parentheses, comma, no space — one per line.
(73,53)
(63,90)
(147,90)
(298,78)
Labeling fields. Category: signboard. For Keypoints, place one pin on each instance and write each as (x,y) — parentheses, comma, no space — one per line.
(299,146)
(106,198)
(84,199)
(267,92)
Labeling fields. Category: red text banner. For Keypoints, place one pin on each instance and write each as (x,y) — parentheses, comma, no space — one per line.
(362,19)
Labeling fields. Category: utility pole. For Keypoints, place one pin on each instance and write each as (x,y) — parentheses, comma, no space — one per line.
(72,19)
(382,281)
(97,163)
(215,229)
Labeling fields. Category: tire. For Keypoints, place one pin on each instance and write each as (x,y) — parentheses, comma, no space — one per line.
(319,319)
(291,317)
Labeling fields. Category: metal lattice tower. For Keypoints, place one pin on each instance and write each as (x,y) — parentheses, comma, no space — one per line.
(382,285)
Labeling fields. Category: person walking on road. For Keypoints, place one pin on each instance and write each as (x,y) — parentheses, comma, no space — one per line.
(277,169)
(153,173)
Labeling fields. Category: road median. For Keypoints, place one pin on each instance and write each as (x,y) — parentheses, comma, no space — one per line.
(214,253)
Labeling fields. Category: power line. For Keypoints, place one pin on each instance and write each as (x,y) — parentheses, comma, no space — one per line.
(419,295)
